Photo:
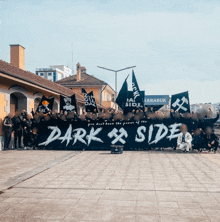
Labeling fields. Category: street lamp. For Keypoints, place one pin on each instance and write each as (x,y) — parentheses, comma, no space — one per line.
(116,72)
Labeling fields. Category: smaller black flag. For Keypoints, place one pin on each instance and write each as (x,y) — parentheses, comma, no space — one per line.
(135,88)
(180,102)
(138,95)
(90,102)
(122,95)
(132,104)
(68,104)
(45,105)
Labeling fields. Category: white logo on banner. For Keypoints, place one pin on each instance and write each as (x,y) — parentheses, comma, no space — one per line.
(180,105)
(78,135)
(114,133)
(159,131)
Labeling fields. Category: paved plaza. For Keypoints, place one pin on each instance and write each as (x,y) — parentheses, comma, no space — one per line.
(99,186)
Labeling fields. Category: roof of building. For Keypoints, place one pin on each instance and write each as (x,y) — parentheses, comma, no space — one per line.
(86,80)
(30,77)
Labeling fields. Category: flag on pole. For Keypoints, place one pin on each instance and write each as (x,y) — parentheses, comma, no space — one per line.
(135,88)
(180,102)
(138,96)
(90,103)
(68,104)
(122,95)
(45,105)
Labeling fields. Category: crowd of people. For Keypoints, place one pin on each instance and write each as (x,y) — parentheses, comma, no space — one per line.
(198,140)
(26,127)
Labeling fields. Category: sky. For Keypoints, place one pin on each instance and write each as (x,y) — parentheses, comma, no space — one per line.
(174,44)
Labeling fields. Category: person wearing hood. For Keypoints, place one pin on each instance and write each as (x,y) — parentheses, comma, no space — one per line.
(7,128)
(211,141)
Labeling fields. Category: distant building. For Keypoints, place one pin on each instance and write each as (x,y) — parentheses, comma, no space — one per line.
(104,94)
(54,73)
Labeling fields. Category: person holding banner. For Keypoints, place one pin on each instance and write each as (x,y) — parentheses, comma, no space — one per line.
(211,141)
(17,129)
(197,142)
(27,125)
(184,139)
(7,128)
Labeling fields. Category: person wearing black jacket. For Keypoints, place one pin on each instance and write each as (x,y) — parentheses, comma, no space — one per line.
(197,142)
(17,129)
(23,114)
(208,122)
(54,120)
(33,136)
(35,121)
(27,128)
(89,116)
(211,141)
(7,128)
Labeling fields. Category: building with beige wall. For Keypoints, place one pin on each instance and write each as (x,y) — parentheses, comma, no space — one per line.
(22,90)
(103,93)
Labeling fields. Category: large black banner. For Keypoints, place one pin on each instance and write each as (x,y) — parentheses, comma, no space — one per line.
(84,135)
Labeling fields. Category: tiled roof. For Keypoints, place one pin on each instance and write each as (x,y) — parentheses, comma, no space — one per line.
(86,80)
(30,77)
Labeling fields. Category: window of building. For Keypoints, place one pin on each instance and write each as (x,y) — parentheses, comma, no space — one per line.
(54,77)
(49,74)
(107,97)
(37,73)
(41,74)
(113,98)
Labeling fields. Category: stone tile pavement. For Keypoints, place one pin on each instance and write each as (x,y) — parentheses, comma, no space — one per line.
(98,186)
(17,165)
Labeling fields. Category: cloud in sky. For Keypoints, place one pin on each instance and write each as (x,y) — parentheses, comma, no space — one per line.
(174,45)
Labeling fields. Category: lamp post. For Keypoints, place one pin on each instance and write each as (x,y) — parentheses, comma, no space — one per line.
(116,73)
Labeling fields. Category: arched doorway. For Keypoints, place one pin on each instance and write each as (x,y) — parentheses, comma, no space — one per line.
(18,101)
(36,103)
(55,106)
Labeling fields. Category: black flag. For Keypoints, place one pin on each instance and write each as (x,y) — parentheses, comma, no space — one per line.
(45,105)
(68,104)
(137,95)
(135,88)
(132,104)
(90,102)
(122,95)
(180,102)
